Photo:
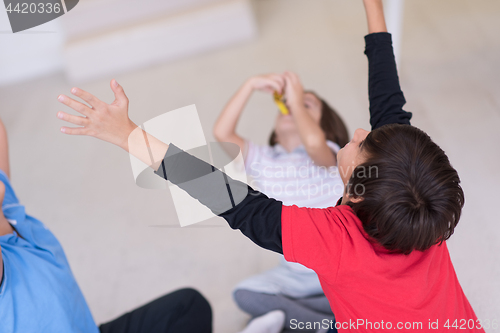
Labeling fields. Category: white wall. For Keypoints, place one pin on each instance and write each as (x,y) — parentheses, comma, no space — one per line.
(129,33)
(97,16)
(29,54)
(160,39)
(394,16)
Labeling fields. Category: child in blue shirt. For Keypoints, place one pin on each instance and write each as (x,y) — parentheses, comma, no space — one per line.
(38,292)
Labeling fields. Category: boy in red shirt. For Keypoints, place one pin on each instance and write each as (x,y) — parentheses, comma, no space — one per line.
(380,254)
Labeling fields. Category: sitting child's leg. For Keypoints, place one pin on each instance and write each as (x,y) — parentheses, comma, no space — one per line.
(257,304)
(317,303)
(272,322)
(184,310)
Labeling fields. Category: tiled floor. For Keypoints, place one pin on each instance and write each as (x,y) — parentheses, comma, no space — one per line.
(83,189)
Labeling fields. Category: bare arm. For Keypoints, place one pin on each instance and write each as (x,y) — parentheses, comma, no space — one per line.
(1,266)
(4,150)
(225,127)
(312,136)
(5,227)
(375,16)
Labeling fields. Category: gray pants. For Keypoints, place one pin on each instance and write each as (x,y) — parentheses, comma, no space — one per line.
(309,309)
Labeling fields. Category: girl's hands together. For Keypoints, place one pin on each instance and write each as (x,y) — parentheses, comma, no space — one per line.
(107,122)
(287,84)
(268,83)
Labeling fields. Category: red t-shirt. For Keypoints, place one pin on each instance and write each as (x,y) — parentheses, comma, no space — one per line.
(370,289)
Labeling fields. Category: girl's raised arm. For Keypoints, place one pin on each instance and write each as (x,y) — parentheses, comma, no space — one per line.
(312,136)
(225,126)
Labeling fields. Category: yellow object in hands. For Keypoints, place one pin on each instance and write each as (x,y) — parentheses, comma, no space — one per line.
(278,99)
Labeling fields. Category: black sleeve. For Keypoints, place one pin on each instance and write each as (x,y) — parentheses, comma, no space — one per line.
(254,214)
(386,97)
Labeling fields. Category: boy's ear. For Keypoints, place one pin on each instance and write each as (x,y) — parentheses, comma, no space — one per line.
(356,200)
(351,199)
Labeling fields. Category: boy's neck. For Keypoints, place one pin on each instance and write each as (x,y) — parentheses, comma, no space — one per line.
(289,141)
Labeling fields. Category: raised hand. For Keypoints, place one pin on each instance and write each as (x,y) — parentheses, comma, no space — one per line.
(268,83)
(375,16)
(107,122)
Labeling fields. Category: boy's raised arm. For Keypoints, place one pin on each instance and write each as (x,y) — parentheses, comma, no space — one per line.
(386,98)
(253,213)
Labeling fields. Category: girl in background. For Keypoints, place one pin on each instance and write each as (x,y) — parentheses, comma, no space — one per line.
(298,167)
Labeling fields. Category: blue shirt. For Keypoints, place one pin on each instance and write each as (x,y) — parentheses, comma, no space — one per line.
(38,292)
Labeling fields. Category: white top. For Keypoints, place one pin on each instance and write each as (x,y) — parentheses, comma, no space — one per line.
(293,178)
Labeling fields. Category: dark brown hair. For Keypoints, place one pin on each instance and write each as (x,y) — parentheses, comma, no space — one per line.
(410,194)
(330,122)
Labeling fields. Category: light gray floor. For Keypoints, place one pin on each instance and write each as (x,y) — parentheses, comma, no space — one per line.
(83,189)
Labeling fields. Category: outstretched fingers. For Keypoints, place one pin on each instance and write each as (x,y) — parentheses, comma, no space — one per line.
(87,97)
(74,130)
(76,120)
(77,106)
